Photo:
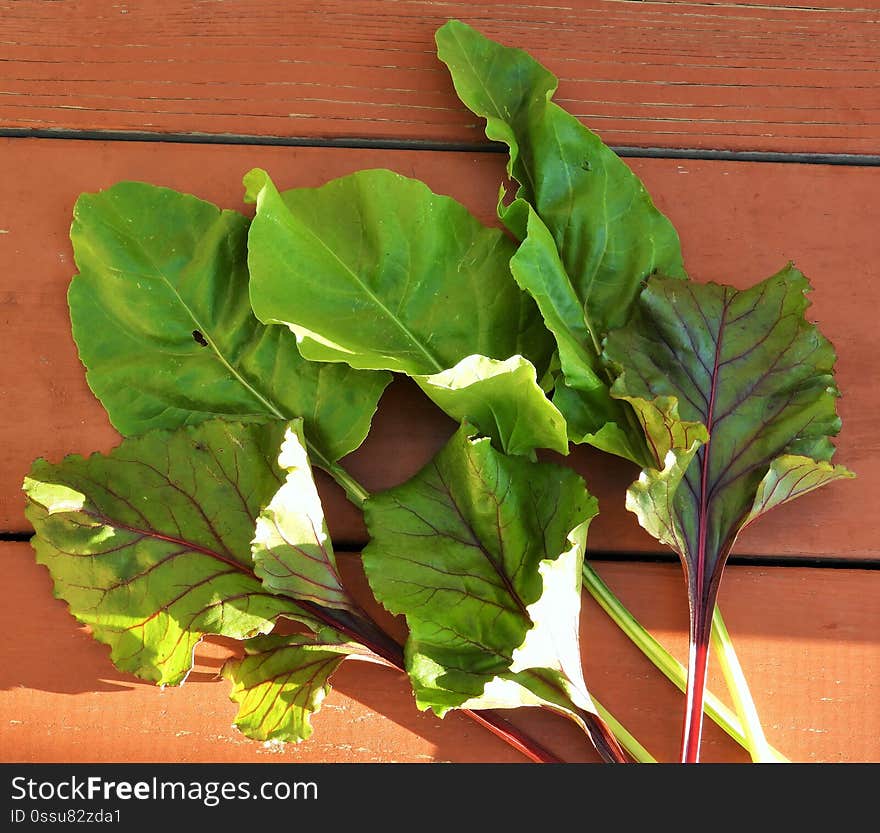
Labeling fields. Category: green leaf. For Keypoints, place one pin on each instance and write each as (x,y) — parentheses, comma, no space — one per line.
(789,477)
(652,497)
(590,233)
(502,400)
(736,396)
(162,320)
(150,544)
(482,553)
(292,551)
(590,419)
(375,270)
(282,681)
(608,233)
(582,394)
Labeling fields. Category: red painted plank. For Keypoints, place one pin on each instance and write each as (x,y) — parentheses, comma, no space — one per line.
(805,638)
(775,77)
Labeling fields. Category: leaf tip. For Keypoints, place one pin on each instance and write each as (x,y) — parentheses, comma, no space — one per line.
(448,28)
(254,181)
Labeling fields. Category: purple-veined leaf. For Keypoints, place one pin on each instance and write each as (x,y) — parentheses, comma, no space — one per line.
(150,545)
(735,392)
(282,680)
(482,553)
(293,556)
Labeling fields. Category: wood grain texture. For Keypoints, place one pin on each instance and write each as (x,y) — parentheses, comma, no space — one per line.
(739,223)
(805,637)
(773,76)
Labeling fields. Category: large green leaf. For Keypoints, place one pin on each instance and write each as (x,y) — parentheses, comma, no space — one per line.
(502,400)
(736,396)
(282,680)
(375,270)
(482,553)
(591,234)
(607,231)
(150,545)
(162,320)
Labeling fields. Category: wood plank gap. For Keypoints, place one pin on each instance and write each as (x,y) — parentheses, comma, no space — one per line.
(817,561)
(864,160)
(23,537)
(354,143)
(368,143)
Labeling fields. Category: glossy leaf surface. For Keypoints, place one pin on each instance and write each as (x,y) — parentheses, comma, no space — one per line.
(292,550)
(375,270)
(502,400)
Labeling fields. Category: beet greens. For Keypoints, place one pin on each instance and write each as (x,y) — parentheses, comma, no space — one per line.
(233,355)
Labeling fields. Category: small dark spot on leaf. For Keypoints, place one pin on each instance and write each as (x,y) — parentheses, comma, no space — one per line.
(586,166)
(201,447)
(198,337)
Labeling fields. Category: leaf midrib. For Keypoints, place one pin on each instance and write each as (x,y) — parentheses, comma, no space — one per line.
(319,457)
(408,334)
(703,516)
(708,491)
(497,567)
(159,273)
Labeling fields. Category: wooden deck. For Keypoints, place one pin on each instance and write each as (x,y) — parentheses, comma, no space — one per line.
(780,105)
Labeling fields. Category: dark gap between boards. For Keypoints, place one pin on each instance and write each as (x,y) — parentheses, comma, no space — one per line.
(800,158)
(819,561)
